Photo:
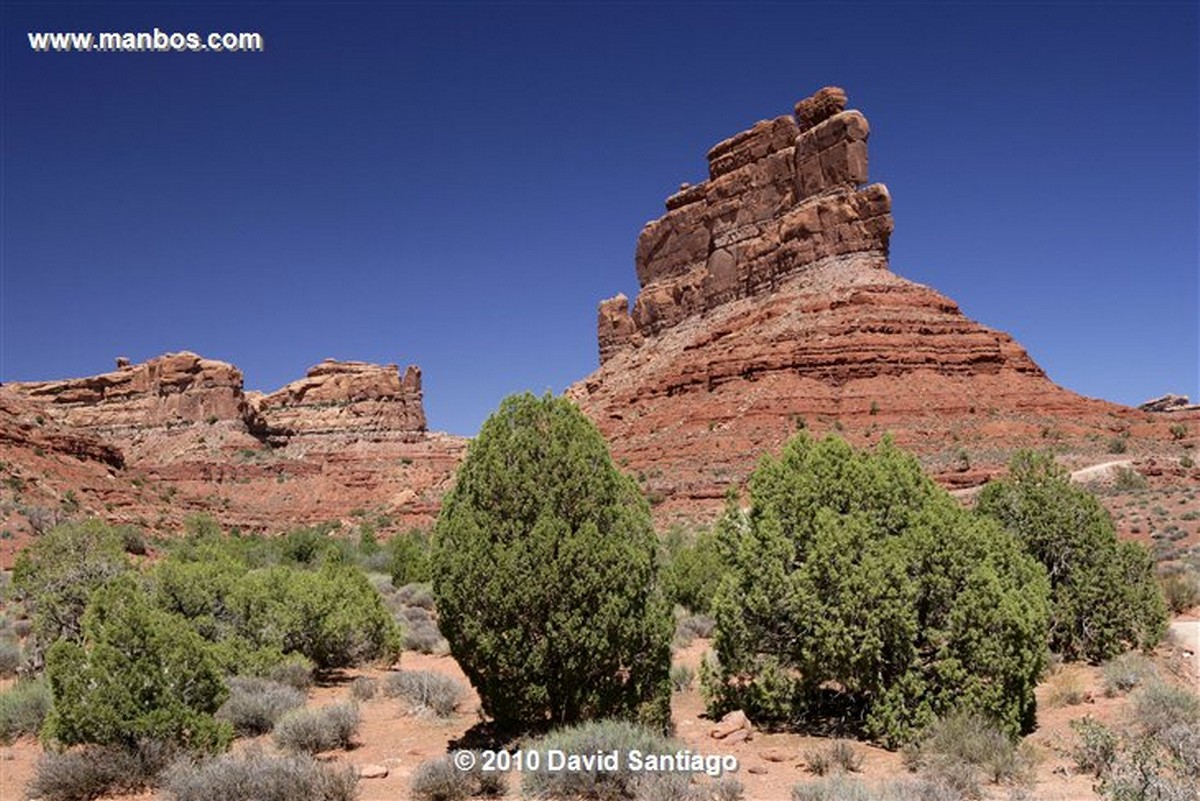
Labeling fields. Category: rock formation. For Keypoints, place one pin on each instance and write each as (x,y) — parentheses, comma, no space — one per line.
(767,303)
(178,435)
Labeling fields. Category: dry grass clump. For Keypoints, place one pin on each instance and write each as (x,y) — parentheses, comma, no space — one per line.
(312,731)
(439,780)
(86,773)
(962,751)
(425,690)
(253,776)
(1126,672)
(363,688)
(1066,688)
(255,705)
(839,756)
(11,658)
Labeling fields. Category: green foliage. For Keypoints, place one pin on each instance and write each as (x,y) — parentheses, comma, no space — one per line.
(139,673)
(408,558)
(23,709)
(1104,598)
(962,751)
(258,616)
(854,568)
(692,571)
(58,573)
(332,616)
(545,574)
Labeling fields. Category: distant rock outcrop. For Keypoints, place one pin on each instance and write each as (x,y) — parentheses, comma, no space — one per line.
(178,435)
(1169,403)
(767,303)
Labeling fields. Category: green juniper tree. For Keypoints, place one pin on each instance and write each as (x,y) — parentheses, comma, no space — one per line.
(1104,597)
(856,586)
(545,574)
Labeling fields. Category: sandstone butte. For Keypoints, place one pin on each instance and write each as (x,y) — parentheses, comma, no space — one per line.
(152,443)
(767,302)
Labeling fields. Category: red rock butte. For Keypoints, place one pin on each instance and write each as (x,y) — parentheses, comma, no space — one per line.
(767,302)
(151,443)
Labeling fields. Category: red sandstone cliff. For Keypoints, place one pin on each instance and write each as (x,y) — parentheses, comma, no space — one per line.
(767,302)
(154,442)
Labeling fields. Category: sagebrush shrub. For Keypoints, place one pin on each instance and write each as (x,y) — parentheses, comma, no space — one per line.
(1181,590)
(91,772)
(425,690)
(253,776)
(1096,747)
(604,736)
(23,709)
(363,688)
(837,756)
(545,573)
(439,780)
(11,658)
(255,705)
(312,731)
(1126,672)
(856,569)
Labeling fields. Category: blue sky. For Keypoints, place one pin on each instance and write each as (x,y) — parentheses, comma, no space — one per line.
(458,185)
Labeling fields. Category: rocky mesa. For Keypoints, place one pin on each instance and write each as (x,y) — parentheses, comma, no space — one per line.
(767,303)
(150,443)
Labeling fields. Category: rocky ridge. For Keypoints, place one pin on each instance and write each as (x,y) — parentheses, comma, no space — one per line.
(150,443)
(767,303)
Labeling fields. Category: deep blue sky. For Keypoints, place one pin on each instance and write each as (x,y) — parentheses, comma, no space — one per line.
(458,185)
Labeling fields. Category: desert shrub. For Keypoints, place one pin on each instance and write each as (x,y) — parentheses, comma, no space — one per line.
(363,688)
(439,780)
(1181,589)
(22,627)
(836,788)
(11,658)
(604,736)
(332,615)
(854,568)
(255,705)
(425,690)
(92,772)
(23,709)
(1104,599)
(425,639)
(723,788)
(1159,707)
(837,756)
(1156,758)
(1096,746)
(294,670)
(682,677)
(312,731)
(139,674)
(253,776)
(1129,480)
(1126,672)
(962,750)
(545,574)
(692,570)
(57,574)
(1065,688)
(381,583)
(688,627)
(418,595)
(408,558)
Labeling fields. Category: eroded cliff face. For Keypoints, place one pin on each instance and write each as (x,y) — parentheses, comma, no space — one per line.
(767,303)
(151,443)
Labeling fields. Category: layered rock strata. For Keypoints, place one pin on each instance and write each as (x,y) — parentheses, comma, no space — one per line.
(178,434)
(767,303)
